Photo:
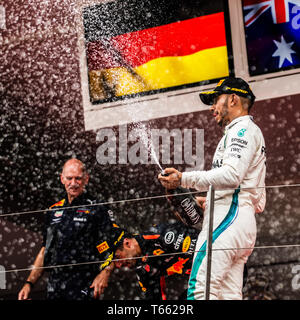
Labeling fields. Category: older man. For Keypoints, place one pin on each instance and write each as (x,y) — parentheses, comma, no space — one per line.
(76,232)
(238,175)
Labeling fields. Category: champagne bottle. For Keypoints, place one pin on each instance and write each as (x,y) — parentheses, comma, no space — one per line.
(185,206)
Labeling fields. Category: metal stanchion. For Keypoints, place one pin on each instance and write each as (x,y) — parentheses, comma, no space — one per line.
(211,194)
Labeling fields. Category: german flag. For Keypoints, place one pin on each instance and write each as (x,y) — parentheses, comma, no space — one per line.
(162,56)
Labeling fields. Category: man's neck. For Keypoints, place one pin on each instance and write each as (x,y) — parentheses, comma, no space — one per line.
(238,114)
(71,198)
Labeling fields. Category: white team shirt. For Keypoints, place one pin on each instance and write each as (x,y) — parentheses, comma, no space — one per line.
(239,161)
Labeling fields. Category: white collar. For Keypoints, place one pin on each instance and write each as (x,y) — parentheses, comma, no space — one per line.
(236,120)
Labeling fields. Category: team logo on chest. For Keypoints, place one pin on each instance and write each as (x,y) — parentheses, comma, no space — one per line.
(86,211)
(241,132)
(58,213)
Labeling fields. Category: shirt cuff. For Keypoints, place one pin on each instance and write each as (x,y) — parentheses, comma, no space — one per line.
(185,179)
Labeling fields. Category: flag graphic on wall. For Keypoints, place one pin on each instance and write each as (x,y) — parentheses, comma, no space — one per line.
(171,48)
(272,35)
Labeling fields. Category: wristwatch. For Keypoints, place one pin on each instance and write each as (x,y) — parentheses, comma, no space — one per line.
(30,283)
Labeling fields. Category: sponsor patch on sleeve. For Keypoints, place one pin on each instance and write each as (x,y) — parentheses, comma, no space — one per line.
(103,247)
(186,244)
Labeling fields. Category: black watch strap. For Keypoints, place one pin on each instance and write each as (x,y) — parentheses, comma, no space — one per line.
(30,283)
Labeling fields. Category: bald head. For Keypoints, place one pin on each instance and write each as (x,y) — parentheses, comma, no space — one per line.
(74,163)
(74,177)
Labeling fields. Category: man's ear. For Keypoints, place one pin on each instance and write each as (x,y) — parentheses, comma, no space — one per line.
(234,100)
(127,243)
(87,177)
(62,178)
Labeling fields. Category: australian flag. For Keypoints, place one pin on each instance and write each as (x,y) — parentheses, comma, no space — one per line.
(272,30)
